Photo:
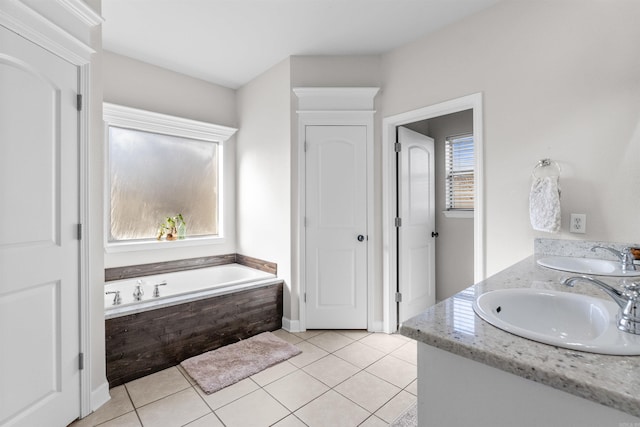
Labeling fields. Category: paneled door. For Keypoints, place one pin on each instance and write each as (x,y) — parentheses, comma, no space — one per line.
(416,255)
(39,250)
(336,227)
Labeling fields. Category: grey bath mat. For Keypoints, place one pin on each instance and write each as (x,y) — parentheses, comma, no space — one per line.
(227,365)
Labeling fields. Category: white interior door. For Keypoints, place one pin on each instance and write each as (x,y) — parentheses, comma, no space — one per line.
(336,227)
(39,250)
(416,255)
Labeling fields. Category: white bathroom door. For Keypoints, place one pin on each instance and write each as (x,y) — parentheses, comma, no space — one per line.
(336,227)
(416,257)
(39,250)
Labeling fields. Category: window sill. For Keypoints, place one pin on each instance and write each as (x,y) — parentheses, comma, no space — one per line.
(146,245)
(458,214)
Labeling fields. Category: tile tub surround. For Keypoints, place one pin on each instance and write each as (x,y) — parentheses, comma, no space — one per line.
(452,325)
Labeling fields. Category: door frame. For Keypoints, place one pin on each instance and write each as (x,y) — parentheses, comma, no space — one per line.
(332,107)
(389,194)
(65,29)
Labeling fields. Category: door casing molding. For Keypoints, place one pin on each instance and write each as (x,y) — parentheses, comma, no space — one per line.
(389,194)
(349,106)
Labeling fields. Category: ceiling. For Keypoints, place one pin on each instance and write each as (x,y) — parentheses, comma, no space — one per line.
(230,42)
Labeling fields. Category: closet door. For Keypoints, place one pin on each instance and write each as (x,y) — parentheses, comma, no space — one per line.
(336,227)
(39,247)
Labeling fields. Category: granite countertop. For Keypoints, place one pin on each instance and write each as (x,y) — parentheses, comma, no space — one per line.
(452,325)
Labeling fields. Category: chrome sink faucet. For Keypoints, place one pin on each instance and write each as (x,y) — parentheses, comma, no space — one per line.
(625,257)
(138,292)
(628,301)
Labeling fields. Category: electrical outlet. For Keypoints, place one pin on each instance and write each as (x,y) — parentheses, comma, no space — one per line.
(578,223)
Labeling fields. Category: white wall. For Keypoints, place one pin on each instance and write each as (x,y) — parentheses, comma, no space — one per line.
(561,79)
(140,85)
(263,174)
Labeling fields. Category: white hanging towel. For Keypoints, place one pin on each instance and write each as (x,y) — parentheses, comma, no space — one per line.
(544,204)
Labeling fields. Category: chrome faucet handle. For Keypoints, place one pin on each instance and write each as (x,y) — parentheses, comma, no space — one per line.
(156,291)
(631,290)
(138,291)
(116,299)
(626,258)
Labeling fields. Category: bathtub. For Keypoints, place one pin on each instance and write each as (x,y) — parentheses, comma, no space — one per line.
(181,287)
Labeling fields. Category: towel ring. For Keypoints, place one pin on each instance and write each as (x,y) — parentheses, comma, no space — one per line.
(547,163)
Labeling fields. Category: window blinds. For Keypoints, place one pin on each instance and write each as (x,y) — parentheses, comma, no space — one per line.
(460,176)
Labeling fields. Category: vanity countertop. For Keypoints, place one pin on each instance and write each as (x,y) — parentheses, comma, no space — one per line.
(452,325)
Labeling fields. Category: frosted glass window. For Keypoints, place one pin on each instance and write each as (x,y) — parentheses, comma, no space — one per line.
(153,176)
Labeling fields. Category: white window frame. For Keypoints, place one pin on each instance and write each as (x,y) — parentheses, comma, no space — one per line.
(147,121)
(457,212)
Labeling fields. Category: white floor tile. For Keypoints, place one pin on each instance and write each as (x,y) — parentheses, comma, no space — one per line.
(408,353)
(331,370)
(296,389)
(374,421)
(273,373)
(209,420)
(128,420)
(395,371)
(332,409)
(367,390)
(384,342)
(330,341)
(310,353)
(228,394)
(287,336)
(257,409)
(290,421)
(175,410)
(156,386)
(359,354)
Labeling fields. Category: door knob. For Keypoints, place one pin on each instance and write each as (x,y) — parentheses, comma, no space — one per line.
(434,234)
(360,238)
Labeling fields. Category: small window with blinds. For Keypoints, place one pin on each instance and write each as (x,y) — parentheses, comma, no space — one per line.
(460,175)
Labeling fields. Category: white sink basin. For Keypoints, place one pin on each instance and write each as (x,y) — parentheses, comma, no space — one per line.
(563,319)
(598,267)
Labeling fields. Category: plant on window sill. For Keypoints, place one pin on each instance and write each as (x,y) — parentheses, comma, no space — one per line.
(173,228)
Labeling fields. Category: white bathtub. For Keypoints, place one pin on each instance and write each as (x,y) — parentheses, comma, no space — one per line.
(181,287)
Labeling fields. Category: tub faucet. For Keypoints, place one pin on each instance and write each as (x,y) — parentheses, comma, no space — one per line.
(156,291)
(138,292)
(625,257)
(116,299)
(628,301)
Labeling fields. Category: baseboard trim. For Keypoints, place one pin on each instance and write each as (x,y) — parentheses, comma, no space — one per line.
(376,326)
(290,325)
(100,396)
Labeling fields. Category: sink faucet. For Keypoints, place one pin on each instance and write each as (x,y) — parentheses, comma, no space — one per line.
(628,301)
(625,257)
(138,292)
(156,291)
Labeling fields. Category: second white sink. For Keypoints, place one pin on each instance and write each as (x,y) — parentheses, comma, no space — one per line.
(563,319)
(598,267)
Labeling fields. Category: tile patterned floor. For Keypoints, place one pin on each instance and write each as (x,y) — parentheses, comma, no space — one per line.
(342,378)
